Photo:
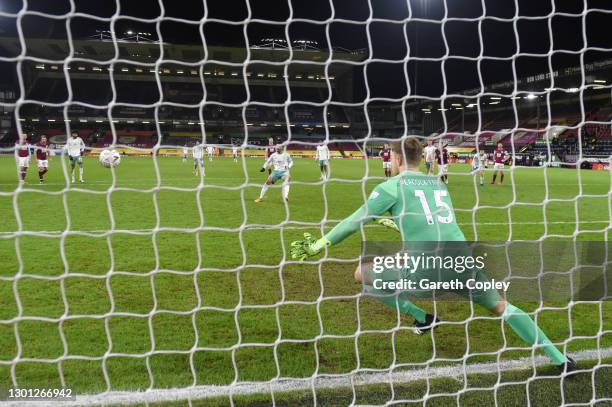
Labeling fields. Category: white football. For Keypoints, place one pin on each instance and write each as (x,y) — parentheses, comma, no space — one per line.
(110,158)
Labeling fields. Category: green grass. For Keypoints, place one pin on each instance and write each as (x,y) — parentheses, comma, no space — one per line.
(512,388)
(178,272)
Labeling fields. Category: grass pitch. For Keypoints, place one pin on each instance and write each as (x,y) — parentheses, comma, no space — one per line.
(150,277)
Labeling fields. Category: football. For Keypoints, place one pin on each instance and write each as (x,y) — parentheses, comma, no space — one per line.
(110,158)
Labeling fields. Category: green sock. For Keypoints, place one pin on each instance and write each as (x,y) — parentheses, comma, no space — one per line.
(529,332)
(404,305)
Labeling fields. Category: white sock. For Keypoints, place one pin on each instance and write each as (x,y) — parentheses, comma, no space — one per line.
(285,190)
(264,189)
(81,173)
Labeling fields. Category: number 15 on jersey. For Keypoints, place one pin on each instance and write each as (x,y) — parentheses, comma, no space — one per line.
(441,206)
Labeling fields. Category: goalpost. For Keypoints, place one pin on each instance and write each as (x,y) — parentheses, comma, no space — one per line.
(394,373)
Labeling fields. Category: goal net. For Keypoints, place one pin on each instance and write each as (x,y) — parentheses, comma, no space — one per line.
(161,279)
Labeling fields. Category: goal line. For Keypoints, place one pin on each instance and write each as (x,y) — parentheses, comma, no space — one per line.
(321,382)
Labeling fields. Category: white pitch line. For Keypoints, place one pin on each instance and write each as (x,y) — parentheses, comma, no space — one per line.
(256,179)
(295,384)
(171,229)
(122,183)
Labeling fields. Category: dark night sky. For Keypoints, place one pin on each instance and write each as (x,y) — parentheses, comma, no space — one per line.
(388,39)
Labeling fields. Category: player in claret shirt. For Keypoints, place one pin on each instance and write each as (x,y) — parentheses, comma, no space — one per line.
(499,158)
(42,158)
(22,156)
(442,157)
(385,154)
(269,151)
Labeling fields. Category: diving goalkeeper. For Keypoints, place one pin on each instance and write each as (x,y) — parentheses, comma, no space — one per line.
(423,212)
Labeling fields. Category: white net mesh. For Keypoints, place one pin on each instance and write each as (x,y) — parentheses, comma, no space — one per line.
(208,303)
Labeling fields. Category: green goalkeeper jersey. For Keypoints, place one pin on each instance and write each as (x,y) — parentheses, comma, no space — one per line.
(419,204)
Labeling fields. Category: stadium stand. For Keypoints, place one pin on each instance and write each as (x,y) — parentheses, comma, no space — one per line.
(194,94)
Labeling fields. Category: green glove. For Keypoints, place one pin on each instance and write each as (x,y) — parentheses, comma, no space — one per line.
(309,247)
(388,223)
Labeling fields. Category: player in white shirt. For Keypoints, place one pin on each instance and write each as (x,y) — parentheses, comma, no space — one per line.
(75,148)
(185,153)
(429,153)
(281,162)
(235,153)
(479,163)
(197,153)
(323,157)
(210,150)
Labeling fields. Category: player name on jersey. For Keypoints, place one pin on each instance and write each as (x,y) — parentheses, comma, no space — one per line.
(422,182)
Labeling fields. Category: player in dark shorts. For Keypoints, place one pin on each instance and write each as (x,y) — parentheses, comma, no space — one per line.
(22,156)
(385,154)
(270,149)
(42,158)
(442,157)
(499,158)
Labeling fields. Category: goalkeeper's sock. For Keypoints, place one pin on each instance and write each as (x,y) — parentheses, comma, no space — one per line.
(404,305)
(529,332)
(264,189)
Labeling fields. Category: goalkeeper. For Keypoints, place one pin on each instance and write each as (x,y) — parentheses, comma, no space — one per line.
(410,196)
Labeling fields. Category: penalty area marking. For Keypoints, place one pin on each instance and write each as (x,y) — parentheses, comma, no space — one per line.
(287,385)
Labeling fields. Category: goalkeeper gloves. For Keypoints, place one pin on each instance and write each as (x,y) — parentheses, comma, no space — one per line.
(388,223)
(309,247)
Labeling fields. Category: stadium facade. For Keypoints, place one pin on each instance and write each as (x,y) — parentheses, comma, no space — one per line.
(132,92)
